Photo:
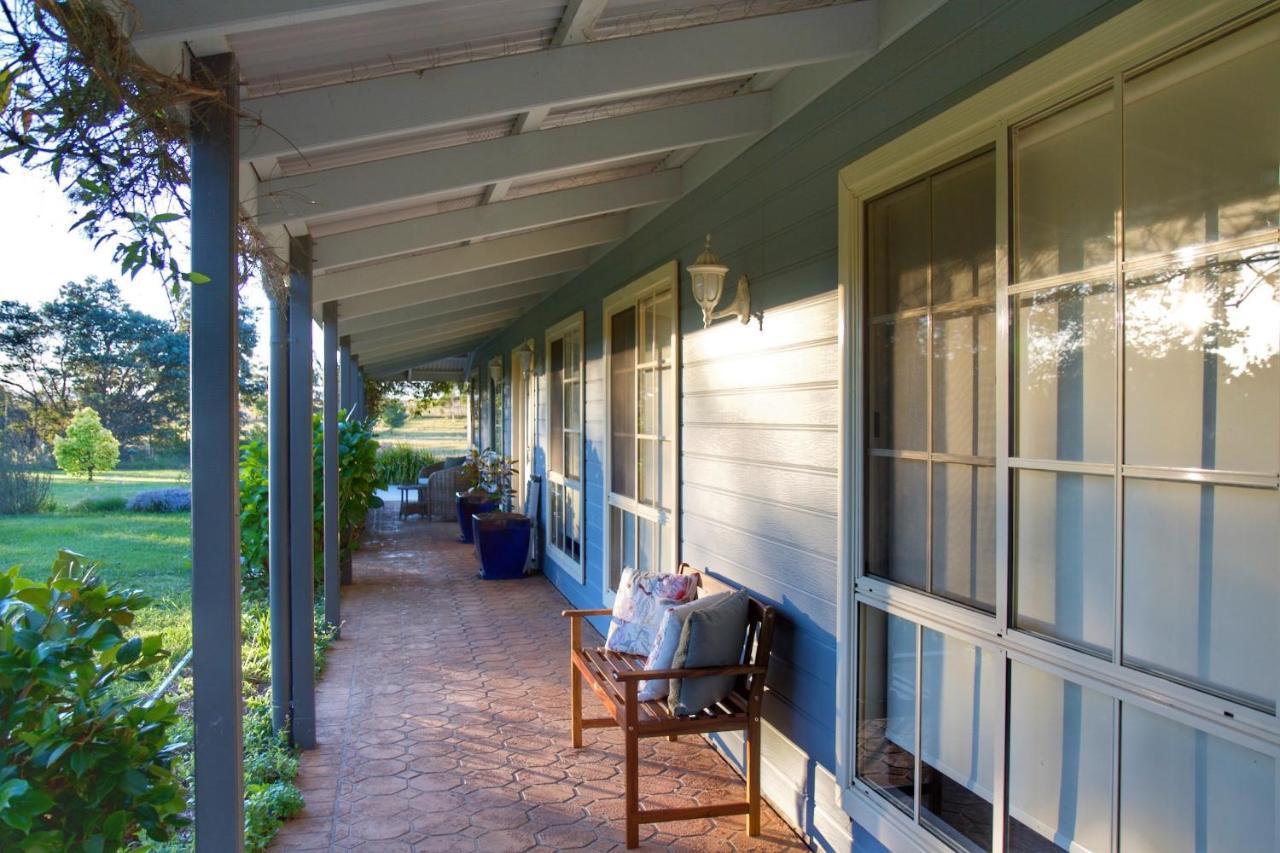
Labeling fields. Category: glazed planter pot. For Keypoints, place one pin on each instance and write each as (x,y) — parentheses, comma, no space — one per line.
(468,505)
(502,543)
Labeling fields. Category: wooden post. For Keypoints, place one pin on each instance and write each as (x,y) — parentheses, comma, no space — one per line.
(278,513)
(215,493)
(301,496)
(329,355)
(575,683)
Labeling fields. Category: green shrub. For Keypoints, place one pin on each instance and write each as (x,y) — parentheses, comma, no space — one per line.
(357,484)
(107,504)
(84,765)
(394,414)
(400,463)
(22,490)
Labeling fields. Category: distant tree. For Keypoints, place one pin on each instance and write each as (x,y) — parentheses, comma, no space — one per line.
(89,348)
(394,413)
(87,446)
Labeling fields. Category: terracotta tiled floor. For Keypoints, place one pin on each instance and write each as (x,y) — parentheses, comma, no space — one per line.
(443,723)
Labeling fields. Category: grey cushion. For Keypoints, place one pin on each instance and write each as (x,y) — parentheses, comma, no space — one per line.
(666,641)
(711,636)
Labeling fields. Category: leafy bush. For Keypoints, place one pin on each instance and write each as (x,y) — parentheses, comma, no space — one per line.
(83,764)
(107,504)
(400,463)
(394,414)
(160,500)
(22,490)
(87,445)
(357,484)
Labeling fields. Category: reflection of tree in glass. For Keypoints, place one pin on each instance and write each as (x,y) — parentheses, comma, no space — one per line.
(1227,307)
(1050,349)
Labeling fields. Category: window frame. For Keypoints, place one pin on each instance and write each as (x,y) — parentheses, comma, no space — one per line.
(1132,41)
(664,277)
(564,561)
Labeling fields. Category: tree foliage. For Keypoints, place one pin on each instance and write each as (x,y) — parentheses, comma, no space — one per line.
(88,446)
(84,765)
(89,348)
(394,414)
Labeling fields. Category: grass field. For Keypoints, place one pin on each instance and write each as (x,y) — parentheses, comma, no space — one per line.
(141,550)
(442,436)
(67,490)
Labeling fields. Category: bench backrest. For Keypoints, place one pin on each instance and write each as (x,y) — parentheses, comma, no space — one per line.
(758,642)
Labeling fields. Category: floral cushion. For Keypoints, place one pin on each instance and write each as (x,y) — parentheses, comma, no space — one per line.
(638,609)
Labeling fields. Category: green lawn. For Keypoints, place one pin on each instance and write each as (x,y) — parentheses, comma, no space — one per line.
(142,550)
(67,490)
(443,436)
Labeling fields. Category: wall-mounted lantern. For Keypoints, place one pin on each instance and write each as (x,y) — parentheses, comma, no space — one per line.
(706,275)
(495,371)
(524,359)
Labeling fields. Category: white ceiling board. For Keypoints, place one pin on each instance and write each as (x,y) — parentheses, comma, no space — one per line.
(359,189)
(410,270)
(471,92)
(409,297)
(411,235)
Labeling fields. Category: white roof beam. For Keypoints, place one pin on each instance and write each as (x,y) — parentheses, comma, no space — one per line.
(389,321)
(409,330)
(493,88)
(414,269)
(371,351)
(455,226)
(429,354)
(161,23)
(368,187)
(421,296)
(579,17)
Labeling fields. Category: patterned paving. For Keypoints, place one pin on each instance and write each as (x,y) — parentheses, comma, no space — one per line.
(443,724)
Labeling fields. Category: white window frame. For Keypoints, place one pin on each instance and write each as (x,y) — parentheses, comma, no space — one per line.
(574,568)
(1132,39)
(664,277)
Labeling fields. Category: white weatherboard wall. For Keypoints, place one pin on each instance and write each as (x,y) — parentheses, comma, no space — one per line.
(759,494)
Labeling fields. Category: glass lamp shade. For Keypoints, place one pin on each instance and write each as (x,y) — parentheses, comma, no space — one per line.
(706,275)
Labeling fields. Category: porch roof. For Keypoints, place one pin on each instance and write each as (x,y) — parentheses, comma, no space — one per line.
(454,161)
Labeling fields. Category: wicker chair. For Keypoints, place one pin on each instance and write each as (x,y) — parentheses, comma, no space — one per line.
(439,494)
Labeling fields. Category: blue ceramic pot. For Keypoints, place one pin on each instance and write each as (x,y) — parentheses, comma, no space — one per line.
(502,543)
(470,504)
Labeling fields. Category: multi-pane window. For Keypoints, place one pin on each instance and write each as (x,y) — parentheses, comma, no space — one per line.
(640,328)
(564,442)
(931,383)
(1123,693)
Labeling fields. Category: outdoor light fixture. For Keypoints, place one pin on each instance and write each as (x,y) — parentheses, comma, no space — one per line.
(706,274)
(524,359)
(495,371)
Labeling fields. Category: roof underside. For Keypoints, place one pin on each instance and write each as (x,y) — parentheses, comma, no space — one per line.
(454,161)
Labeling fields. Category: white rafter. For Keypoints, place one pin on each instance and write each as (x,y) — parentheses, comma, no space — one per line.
(382,305)
(414,269)
(365,187)
(441,229)
(470,92)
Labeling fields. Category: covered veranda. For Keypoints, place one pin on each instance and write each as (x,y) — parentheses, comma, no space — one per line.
(427,170)
(443,723)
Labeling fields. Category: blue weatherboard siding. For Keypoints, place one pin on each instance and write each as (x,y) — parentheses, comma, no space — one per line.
(759,447)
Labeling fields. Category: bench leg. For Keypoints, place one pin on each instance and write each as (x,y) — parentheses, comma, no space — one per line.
(632,769)
(575,705)
(753,775)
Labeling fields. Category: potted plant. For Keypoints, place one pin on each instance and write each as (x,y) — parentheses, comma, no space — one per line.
(501,536)
(477,489)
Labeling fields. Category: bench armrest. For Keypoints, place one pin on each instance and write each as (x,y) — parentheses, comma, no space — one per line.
(600,611)
(695,672)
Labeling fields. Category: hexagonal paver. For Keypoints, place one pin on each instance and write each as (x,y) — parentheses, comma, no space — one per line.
(443,724)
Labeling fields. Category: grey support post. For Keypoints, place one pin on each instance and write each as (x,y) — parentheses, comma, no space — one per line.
(278,515)
(329,356)
(301,496)
(215,493)
(345,373)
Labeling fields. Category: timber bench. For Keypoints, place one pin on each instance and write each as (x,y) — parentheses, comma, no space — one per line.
(615,678)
